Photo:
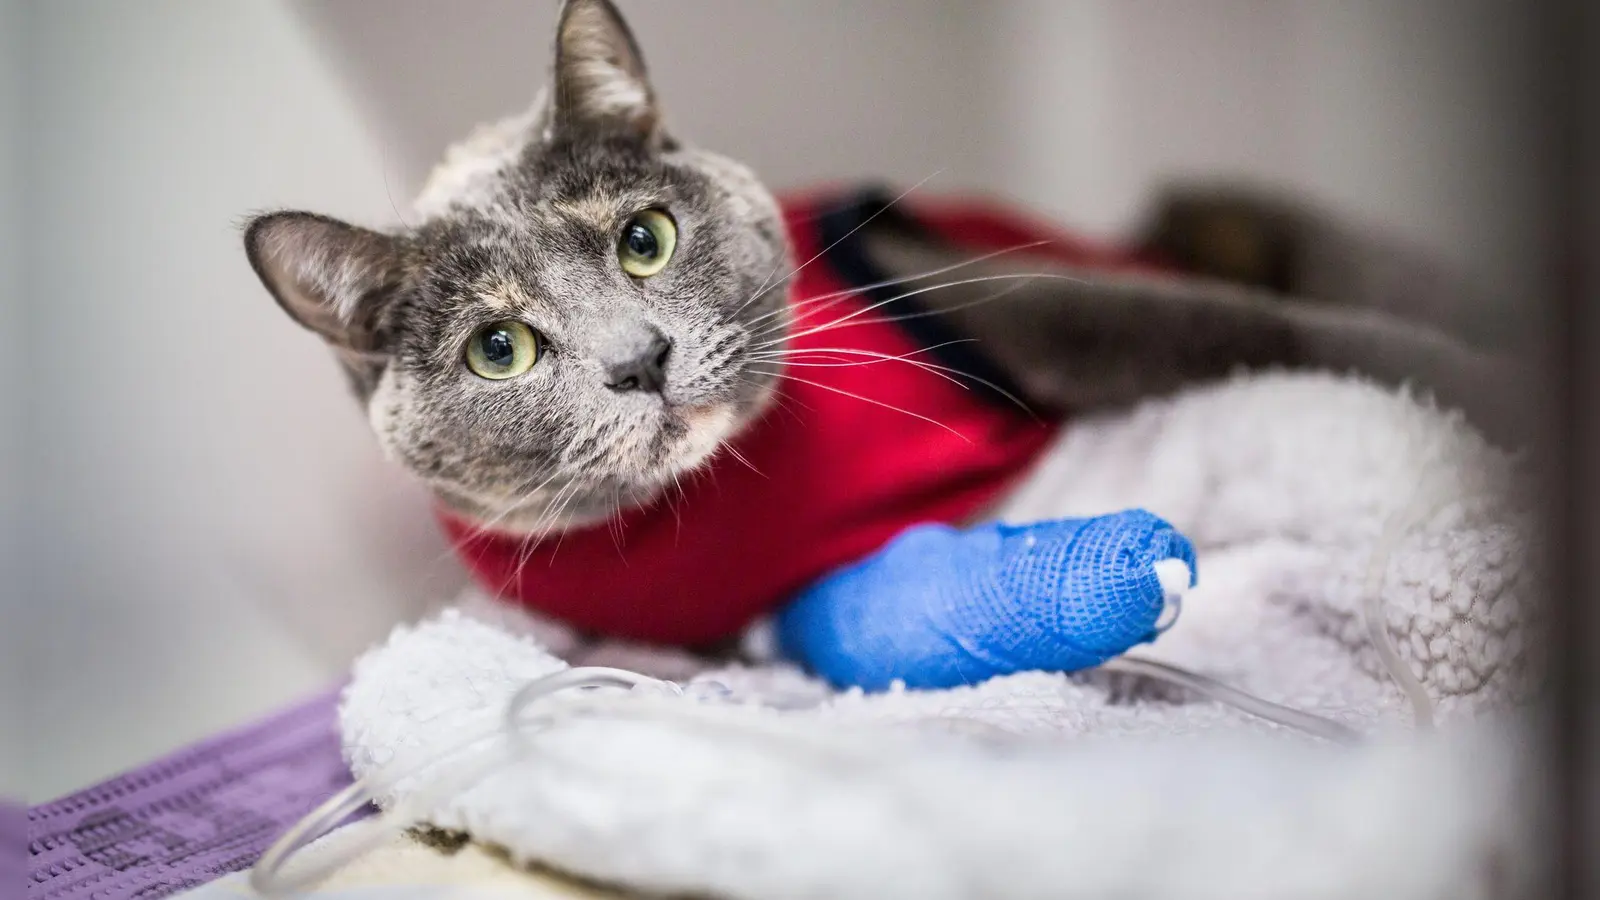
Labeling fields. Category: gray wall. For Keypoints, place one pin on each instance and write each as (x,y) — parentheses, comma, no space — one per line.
(214,531)
(12,591)
(212,534)
(1412,116)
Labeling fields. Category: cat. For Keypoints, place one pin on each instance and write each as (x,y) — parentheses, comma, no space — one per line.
(532,238)
(592,312)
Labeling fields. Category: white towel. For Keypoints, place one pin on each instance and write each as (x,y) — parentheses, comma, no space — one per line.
(1038,784)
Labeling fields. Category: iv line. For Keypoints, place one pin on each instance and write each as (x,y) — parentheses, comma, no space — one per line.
(271,877)
(1211,688)
(1425,503)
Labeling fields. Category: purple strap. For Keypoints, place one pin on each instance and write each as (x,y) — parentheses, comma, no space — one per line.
(197,815)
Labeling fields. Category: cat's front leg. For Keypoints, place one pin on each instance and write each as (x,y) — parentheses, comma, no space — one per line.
(1076,340)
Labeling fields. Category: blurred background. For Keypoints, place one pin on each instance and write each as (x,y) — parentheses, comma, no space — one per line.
(202,528)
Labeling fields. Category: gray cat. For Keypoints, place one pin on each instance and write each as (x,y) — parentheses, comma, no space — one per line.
(574,330)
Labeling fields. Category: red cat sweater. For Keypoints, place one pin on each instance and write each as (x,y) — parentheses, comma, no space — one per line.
(827,478)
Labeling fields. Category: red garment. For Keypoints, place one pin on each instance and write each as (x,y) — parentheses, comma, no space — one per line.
(830,478)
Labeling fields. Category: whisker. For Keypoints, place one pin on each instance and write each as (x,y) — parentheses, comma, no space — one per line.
(986,298)
(875,357)
(561,538)
(383,169)
(542,528)
(846,393)
(786,354)
(785,361)
(741,458)
(614,525)
(894,282)
(1024,277)
(482,531)
(526,547)
(765,286)
(677,517)
(838,364)
(780,401)
(524,553)
(1015,400)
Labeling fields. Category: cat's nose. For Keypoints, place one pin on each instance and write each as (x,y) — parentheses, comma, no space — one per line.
(646,371)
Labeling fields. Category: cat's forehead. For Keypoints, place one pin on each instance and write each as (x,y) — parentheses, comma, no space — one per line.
(535,233)
(497,258)
(555,204)
(514,172)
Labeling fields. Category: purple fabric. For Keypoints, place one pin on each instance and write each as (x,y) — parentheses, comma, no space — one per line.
(194,816)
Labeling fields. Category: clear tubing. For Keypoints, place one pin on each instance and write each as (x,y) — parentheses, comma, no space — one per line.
(272,876)
(1424,505)
(1206,686)
(1372,610)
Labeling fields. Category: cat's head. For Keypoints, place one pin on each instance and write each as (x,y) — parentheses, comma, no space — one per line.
(570,327)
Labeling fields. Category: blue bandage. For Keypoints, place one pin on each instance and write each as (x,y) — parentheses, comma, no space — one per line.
(940,607)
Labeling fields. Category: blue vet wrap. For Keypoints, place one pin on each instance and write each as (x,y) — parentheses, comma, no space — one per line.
(940,607)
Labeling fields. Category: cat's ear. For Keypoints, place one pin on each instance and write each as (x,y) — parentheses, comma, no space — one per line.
(600,80)
(331,277)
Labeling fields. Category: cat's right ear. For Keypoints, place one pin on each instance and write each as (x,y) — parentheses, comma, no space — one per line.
(600,79)
(331,277)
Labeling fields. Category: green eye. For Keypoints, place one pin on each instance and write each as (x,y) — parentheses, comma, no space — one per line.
(646,243)
(502,350)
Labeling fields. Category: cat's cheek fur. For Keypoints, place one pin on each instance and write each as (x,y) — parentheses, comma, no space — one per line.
(765,246)
(746,197)
(384,411)
(707,430)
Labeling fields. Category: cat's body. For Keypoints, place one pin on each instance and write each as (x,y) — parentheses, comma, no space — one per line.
(591,309)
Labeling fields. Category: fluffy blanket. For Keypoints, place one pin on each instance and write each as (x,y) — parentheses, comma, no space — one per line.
(760,782)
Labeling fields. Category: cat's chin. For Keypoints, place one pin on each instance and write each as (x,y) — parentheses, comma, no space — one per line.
(570,505)
(706,429)
(552,512)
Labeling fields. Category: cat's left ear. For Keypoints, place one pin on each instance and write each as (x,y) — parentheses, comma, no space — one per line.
(332,277)
(600,81)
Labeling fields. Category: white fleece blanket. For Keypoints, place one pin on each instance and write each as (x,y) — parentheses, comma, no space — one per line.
(761,783)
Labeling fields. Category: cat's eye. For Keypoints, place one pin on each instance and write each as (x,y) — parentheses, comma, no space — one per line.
(502,350)
(646,243)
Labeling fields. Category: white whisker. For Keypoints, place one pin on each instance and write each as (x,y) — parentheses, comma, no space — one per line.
(891,282)
(1023,276)
(482,529)
(555,518)
(787,354)
(846,393)
(765,285)
(741,458)
(875,357)
(541,530)
(677,517)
